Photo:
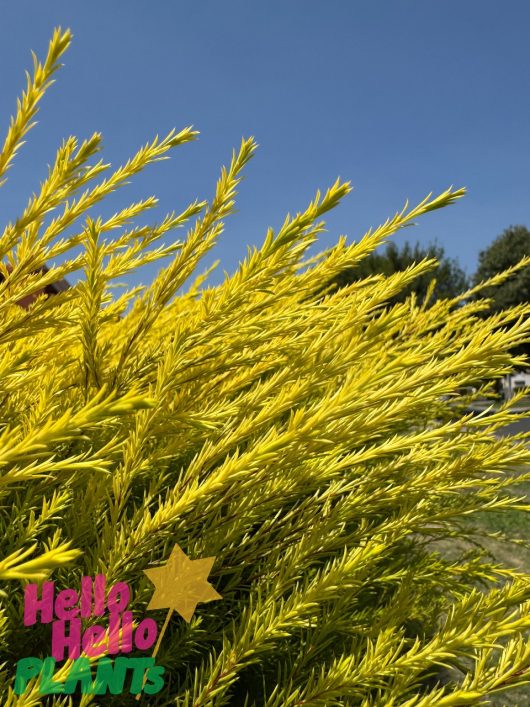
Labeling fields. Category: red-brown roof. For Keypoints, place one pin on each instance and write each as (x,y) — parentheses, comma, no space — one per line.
(53,289)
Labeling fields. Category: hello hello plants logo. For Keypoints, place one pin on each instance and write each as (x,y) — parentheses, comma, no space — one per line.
(180,585)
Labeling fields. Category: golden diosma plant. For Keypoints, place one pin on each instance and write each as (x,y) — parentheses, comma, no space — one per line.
(314,441)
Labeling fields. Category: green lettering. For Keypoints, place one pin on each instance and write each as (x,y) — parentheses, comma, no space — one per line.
(155,681)
(139,666)
(27,668)
(79,672)
(110,676)
(48,686)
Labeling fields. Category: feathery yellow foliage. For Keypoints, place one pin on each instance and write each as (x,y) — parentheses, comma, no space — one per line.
(314,441)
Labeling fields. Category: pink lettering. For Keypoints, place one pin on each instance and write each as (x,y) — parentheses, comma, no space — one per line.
(32,604)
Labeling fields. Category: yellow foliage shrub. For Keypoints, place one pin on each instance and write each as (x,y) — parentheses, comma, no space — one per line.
(315,442)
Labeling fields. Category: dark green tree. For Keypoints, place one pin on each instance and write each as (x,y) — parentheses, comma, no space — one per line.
(451,280)
(506,251)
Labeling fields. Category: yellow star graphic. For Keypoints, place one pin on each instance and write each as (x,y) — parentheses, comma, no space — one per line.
(181,584)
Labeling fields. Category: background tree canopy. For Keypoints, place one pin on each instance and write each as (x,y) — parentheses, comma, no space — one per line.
(451,280)
(505,251)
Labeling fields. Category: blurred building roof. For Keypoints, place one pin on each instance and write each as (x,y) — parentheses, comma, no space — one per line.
(52,289)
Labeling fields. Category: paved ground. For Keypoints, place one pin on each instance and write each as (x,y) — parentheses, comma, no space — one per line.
(519,426)
(515,427)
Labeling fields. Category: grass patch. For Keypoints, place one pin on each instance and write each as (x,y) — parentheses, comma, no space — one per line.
(514,525)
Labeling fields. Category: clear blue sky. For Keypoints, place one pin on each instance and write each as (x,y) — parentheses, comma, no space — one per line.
(400,97)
